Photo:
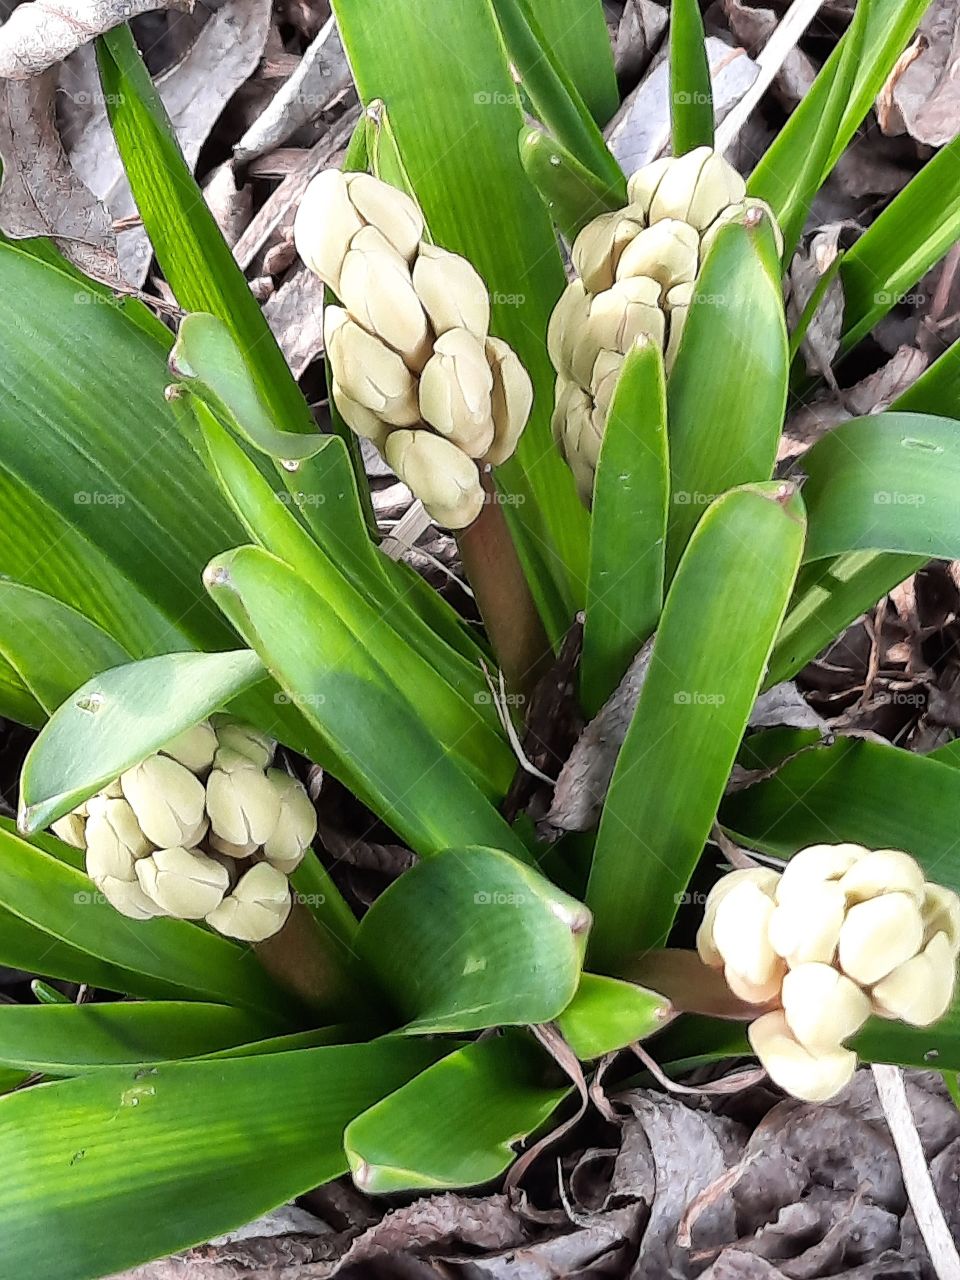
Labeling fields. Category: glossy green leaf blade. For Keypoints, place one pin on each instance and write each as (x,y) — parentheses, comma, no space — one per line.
(71,1039)
(455,1124)
(576,34)
(910,236)
(171,1157)
(735,337)
(573,195)
(455,111)
(865,792)
(175,958)
(691,92)
(451,938)
(54,648)
(119,718)
(190,248)
(628,531)
(691,715)
(17,703)
(607,1014)
(926,1048)
(381,744)
(888,482)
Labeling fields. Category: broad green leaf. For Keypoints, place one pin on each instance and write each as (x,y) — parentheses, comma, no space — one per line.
(867,792)
(910,236)
(696,700)
(119,718)
(472,938)
(607,1014)
(691,92)
(455,1124)
(888,482)
(380,743)
(456,113)
(71,1039)
(573,195)
(720,437)
(575,32)
(628,531)
(168,1157)
(161,957)
(53,648)
(193,255)
(208,361)
(552,93)
(17,703)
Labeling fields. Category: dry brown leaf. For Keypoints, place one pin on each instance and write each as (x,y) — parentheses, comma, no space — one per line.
(41,34)
(295,314)
(41,194)
(753,27)
(810,264)
(639,32)
(922,97)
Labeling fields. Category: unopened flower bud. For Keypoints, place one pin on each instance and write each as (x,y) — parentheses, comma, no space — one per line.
(394,214)
(114,837)
(811,1077)
(597,249)
(242,802)
(194,748)
(185,883)
(361,420)
(168,802)
(741,936)
(511,401)
(668,252)
(764,878)
(695,188)
(805,926)
(566,324)
(451,291)
(127,897)
(883,871)
(377,291)
(257,908)
(622,314)
(369,371)
(816,863)
(70,829)
(229,850)
(823,1007)
(878,935)
(259,748)
(920,990)
(296,827)
(642,185)
(442,476)
(456,390)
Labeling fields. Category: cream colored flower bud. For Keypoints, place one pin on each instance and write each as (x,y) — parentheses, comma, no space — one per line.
(451,291)
(114,837)
(920,990)
(128,898)
(668,252)
(442,476)
(741,936)
(597,249)
(362,421)
(879,935)
(941,914)
(394,214)
(765,879)
(642,186)
(377,291)
(167,800)
(70,829)
(229,850)
(822,1007)
(816,863)
(257,908)
(566,324)
(325,224)
(695,188)
(883,871)
(242,802)
(185,883)
(511,402)
(456,392)
(811,1077)
(622,314)
(369,371)
(805,926)
(569,399)
(194,748)
(297,825)
(259,748)
(677,306)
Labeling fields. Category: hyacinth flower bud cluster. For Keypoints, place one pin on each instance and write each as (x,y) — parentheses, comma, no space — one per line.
(415,368)
(636,270)
(206,829)
(842,933)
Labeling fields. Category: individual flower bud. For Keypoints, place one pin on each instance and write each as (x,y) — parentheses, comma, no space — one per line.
(667,252)
(642,186)
(567,322)
(805,925)
(822,1007)
(368,371)
(70,829)
(571,399)
(740,934)
(816,863)
(242,802)
(257,908)
(456,390)
(920,990)
(229,850)
(811,1077)
(597,249)
(394,214)
(765,878)
(378,293)
(325,224)
(185,883)
(442,476)
(127,897)
(941,914)
(695,187)
(622,314)
(878,935)
(362,421)
(194,748)
(257,747)
(167,800)
(112,791)
(114,836)
(297,826)
(883,871)
(451,291)
(511,401)
(677,306)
